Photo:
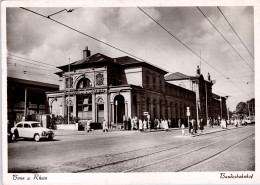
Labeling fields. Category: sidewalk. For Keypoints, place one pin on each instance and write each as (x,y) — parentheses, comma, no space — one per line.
(207,130)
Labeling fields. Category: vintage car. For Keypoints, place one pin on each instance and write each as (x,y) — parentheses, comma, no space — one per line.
(31,129)
(250,120)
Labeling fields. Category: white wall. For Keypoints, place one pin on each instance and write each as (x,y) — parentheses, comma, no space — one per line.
(134,76)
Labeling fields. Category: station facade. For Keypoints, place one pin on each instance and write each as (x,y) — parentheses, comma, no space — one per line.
(100,88)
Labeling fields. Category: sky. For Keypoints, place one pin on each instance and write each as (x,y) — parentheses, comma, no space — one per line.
(34,37)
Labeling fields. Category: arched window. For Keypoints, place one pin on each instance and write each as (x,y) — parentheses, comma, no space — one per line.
(154,83)
(84,83)
(148,105)
(147,81)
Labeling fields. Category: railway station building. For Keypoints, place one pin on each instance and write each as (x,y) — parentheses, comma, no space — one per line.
(99,88)
(209,105)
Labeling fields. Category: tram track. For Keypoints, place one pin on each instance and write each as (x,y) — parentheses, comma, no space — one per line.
(217,154)
(157,150)
(189,153)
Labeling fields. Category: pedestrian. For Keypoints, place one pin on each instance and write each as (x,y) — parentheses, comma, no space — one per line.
(158,124)
(201,125)
(135,125)
(236,122)
(105,126)
(155,123)
(195,126)
(144,125)
(132,123)
(243,122)
(170,123)
(211,123)
(125,122)
(88,126)
(179,123)
(208,122)
(148,122)
(166,126)
(182,129)
(140,125)
(191,126)
(223,124)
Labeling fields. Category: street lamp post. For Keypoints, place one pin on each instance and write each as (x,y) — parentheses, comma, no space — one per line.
(220,107)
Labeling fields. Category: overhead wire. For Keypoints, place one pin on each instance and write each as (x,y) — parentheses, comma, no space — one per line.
(186,46)
(31,63)
(36,74)
(32,60)
(236,77)
(14,63)
(82,33)
(114,47)
(235,32)
(224,38)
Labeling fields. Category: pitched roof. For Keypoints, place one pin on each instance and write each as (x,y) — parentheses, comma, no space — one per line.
(126,60)
(98,57)
(176,76)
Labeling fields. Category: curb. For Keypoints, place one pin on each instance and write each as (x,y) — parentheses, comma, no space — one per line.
(214,131)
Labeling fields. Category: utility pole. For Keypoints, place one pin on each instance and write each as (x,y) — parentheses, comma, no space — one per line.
(248,105)
(197,110)
(206,101)
(228,113)
(116,103)
(220,107)
(25,104)
(200,60)
(68,102)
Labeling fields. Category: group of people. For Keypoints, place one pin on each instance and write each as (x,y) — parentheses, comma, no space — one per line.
(143,125)
(238,122)
(162,124)
(194,126)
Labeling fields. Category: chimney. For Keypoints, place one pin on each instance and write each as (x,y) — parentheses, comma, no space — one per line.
(198,70)
(86,52)
(208,77)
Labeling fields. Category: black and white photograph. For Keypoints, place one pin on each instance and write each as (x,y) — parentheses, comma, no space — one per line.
(129,93)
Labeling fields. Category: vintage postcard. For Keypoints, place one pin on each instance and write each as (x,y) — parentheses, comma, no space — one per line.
(140,92)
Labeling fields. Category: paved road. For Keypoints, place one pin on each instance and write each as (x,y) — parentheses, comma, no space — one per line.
(133,151)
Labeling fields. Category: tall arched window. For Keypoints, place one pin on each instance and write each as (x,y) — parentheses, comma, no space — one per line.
(84,83)
(148,105)
(147,81)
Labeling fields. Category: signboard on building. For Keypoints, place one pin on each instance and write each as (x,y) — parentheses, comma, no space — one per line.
(188,111)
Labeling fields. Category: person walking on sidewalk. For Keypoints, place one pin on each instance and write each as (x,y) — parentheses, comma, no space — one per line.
(140,125)
(105,126)
(179,123)
(191,126)
(144,125)
(195,126)
(170,123)
(201,125)
(182,129)
(166,126)
(88,126)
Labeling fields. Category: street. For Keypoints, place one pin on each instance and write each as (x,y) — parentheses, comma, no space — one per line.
(215,149)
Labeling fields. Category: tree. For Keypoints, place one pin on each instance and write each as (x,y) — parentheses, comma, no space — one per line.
(241,108)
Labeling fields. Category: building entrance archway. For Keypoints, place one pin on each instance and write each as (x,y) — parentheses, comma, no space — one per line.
(119,103)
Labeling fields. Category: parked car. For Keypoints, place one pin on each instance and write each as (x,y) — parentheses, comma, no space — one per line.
(250,120)
(31,129)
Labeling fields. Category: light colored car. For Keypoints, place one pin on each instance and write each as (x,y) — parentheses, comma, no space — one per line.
(250,120)
(31,129)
